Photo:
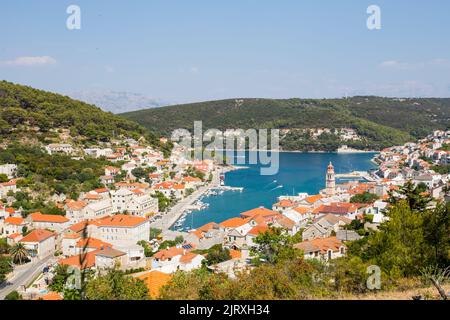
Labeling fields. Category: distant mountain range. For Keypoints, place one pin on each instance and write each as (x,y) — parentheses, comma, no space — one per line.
(117,101)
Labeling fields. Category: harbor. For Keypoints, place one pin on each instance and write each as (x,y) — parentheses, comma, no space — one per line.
(299,172)
(357,175)
(177,214)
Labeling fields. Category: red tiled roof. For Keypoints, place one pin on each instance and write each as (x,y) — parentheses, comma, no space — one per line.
(52,296)
(14,220)
(155,280)
(80,226)
(82,261)
(186,258)
(92,243)
(39,217)
(37,235)
(302,210)
(76,205)
(258,229)
(192,179)
(233,222)
(285,204)
(120,220)
(168,253)
(205,228)
(320,244)
(10,210)
(337,208)
(235,254)
(91,196)
(312,199)
(259,211)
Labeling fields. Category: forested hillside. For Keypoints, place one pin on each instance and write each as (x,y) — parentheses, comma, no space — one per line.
(27,113)
(379,121)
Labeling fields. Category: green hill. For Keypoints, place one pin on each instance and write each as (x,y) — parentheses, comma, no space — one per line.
(380,122)
(30,114)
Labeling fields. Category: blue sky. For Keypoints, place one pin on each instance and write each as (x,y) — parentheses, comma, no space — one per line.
(195,50)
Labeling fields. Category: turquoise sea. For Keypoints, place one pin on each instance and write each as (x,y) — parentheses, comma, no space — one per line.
(298,172)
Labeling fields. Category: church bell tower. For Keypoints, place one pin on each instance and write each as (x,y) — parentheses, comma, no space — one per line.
(330,180)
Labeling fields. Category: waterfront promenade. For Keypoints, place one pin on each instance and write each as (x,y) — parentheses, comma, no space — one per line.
(169,218)
(358,174)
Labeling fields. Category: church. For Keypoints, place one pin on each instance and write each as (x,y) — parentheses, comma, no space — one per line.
(330,182)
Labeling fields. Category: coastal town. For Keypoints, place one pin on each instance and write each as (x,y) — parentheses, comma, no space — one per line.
(129,222)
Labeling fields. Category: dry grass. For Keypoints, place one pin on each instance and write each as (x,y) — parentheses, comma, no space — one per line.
(429,293)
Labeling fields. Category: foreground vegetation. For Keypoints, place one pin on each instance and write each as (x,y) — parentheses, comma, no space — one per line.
(409,249)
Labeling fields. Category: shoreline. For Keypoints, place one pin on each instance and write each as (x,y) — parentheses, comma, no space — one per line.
(299,151)
(181,207)
(177,211)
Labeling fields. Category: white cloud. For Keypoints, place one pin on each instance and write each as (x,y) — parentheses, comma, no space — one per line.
(194,70)
(109,69)
(400,65)
(30,61)
(407,88)
(394,64)
(190,70)
(440,62)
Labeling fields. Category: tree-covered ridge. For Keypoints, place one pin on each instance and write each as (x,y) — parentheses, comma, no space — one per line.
(25,111)
(380,121)
(43,175)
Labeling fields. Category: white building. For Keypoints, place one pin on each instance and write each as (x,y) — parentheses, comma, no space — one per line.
(39,243)
(9,170)
(142,206)
(135,202)
(7,187)
(322,249)
(51,222)
(75,211)
(176,258)
(120,198)
(98,209)
(59,148)
(98,152)
(13,225)
(122,230)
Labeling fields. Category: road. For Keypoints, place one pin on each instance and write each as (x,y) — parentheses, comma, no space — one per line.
(177,210)
(22,277)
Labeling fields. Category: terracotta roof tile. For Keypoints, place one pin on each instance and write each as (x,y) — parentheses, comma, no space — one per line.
(92,243)
(14,220)
(37,235)
(259,211)
(154,281)
(39,217)
(52,296)
(82,261)
(120,220)
(320,244)
(233,222)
